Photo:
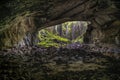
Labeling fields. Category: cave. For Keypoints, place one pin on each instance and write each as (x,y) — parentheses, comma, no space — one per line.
(90,52)
(65,33)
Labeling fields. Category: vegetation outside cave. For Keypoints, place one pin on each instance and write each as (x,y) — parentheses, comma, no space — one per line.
(63,34)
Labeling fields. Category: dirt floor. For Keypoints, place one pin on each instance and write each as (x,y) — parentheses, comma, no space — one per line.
(53,64)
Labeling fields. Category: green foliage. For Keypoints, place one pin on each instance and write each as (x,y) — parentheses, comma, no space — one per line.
(48,39)
(48,43)
(78,39)
(68,32)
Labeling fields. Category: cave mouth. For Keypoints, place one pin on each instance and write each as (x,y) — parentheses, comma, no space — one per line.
(64,34)
(59,35)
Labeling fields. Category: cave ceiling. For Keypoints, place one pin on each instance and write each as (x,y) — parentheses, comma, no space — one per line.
(50,12)
(20,16)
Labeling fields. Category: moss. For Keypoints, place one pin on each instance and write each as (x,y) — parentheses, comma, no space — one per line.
(79,39)
(48,39)
(14,31)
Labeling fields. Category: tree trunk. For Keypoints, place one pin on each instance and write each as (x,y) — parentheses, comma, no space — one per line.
(67,31)
(73,31)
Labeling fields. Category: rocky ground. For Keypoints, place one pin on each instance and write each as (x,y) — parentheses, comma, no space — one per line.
(39,63)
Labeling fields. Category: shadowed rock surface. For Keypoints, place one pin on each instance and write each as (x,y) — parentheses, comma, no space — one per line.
(28,17)
(38,63)
(97,59)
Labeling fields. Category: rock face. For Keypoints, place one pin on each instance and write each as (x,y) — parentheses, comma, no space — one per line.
(37,63)
(30,16)
(109,35)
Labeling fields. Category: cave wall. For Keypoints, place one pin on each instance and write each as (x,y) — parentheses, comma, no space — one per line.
(112,34)
(109,35)
(16,31)
(30,16)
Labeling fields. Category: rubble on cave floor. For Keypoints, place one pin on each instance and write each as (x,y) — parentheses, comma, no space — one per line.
(39,63)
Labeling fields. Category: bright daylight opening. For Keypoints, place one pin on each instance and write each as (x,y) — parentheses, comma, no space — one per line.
(68,34)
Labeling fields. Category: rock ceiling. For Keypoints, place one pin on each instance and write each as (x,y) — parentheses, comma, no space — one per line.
(21,16)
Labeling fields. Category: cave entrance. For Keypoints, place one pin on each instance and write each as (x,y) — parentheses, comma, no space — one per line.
(66,34)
